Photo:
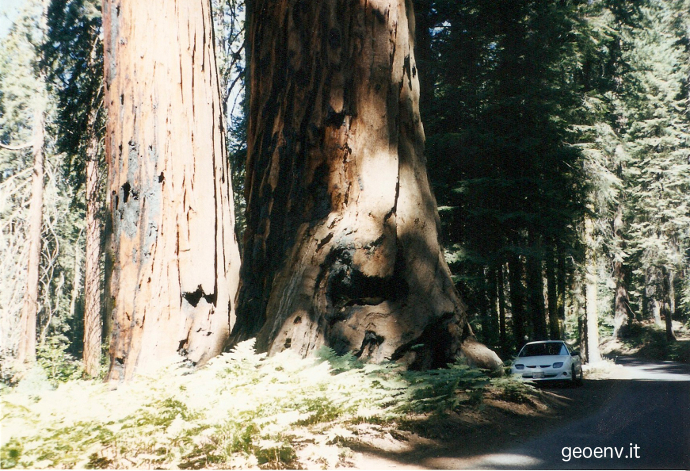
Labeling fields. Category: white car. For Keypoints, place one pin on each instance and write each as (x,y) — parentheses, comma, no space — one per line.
(549,360)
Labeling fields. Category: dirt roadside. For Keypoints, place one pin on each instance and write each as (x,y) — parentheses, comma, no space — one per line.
(494,425)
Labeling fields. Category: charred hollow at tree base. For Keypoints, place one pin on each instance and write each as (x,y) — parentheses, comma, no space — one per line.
(341,245)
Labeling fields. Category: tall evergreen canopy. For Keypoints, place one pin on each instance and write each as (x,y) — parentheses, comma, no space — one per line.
(557,146)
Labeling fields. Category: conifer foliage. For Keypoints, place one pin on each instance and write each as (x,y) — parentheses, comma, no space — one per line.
(555,138)
(541,116)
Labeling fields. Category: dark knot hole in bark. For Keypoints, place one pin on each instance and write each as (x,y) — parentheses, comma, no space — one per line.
(335,119)
(126,188)
(370,343)
(194,297)
(433,348)
(348,286)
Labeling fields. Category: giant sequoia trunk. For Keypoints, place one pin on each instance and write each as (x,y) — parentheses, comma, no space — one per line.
(173,251)
(341,246)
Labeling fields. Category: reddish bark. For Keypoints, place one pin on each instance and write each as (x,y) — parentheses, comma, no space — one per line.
(173,251)
(92,298)
(341,246)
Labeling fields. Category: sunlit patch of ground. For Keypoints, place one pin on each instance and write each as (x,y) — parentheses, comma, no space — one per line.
(648,340)
(459,438)
(243,410)
(247,411)
(605,369)
(504,419)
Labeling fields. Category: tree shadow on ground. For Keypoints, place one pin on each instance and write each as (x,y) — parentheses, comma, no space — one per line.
(613,413)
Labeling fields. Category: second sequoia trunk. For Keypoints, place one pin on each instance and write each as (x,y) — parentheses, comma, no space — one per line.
(172,251)
(341,246)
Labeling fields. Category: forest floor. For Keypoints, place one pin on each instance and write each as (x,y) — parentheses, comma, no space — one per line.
(244,410)
(497,424)
(647,340)
(626,399)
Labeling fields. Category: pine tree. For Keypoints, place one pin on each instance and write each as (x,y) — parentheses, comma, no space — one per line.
(26,347)
(21,83)
(72,51)
(507,68)
(657,134)
(634,77)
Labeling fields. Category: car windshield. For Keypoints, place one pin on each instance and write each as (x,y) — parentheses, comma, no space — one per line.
(539,349)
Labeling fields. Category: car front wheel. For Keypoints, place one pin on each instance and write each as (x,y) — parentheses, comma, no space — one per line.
(575,380)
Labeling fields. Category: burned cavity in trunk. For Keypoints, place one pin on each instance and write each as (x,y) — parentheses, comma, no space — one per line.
(347,289)
(341,243)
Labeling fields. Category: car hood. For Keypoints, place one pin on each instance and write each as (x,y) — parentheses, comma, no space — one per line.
(543,361)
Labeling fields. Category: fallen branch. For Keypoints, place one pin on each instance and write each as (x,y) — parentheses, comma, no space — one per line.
(20,147)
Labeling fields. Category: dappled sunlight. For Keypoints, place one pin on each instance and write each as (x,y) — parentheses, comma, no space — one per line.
(241,409)
(644,370)
(494,461)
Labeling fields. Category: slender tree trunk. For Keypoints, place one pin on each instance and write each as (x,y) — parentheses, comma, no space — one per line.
(582,335)
(537,303)
(578,309)
(552,293)
(592,316)
(502,333)
(562,285)
(27,344)
(76,283)
(593,355)
(484,307)
(491,293)
(621,319)
(656,310)
(92,299)
(341,246)
(173,250)
(669,303)
(535,289)
(652,295)
(621,300)
(517,300)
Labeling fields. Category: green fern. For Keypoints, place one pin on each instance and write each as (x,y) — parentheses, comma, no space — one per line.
(242,409)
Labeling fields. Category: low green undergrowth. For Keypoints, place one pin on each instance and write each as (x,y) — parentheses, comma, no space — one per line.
(649,341)
(512,390)
(654,345)
(241,410)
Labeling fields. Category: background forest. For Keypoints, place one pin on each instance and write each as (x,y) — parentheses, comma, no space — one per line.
(557,144)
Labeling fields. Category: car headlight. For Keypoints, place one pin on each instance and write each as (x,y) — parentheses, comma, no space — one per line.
(519,367)
(558,364)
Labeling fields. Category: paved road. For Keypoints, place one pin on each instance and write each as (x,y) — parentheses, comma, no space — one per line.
(644,424)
